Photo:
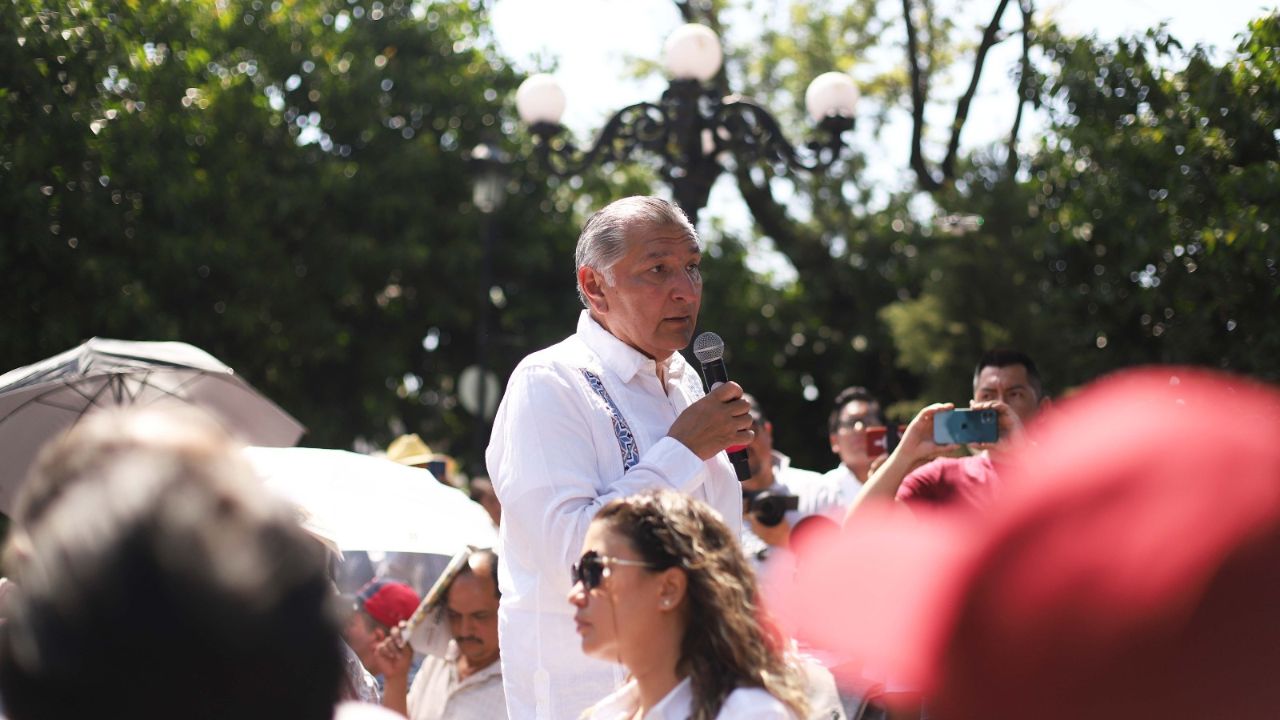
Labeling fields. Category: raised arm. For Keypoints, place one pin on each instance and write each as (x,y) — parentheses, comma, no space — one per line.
(917,447)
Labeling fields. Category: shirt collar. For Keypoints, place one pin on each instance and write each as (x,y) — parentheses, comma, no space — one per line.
(677,705)
(623,703)
(620,358)
(780,462)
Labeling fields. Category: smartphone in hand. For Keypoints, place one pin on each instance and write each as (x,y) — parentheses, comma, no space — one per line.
(881,441)
(961,427)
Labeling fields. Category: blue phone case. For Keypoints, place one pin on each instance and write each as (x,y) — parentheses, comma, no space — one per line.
(961,427)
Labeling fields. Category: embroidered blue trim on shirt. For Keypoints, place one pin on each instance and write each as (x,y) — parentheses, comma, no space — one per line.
(626,440)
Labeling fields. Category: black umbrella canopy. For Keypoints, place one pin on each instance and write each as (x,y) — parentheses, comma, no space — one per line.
(40,401)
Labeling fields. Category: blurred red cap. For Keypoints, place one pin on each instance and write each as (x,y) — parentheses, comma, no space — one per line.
(387,601)
(1132,568)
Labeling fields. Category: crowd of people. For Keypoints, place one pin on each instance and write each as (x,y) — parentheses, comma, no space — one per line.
(637,576)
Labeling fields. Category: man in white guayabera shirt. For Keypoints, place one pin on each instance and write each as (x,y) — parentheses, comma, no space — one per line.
(610,411)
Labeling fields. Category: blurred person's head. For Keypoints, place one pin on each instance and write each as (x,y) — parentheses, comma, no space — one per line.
(855,409)
(1011,377)
(1137,579)
(662,579)
(760,449)
(813,532)
(158,578)
(637,264)
(471,608)
(379,606)
(107,438)
(482,492)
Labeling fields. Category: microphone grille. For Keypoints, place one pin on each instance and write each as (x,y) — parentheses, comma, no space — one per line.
(708,347)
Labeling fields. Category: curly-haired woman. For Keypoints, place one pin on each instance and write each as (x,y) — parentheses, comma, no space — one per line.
(663,588)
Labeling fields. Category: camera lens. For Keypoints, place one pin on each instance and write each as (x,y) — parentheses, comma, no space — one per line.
(770,510)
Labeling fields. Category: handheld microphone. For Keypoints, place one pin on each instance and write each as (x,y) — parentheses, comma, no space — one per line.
(709,349)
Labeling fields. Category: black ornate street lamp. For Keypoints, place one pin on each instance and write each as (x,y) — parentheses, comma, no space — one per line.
(691,127)
(488,166)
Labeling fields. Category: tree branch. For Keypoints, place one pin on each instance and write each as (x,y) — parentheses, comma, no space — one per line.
(962,107)
(927,180)
(771,216)
(923,175)
(1024,81)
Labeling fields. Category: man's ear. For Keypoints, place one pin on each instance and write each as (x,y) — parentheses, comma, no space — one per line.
(835,446)
(592,283)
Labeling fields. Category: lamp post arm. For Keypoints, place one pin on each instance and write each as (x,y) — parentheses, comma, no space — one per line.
(749,132)
(638,126)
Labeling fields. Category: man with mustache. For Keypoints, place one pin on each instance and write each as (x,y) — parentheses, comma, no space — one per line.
(611,411)
(465,682)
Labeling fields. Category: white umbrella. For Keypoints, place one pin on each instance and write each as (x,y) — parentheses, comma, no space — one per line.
(40,401)
(369,503)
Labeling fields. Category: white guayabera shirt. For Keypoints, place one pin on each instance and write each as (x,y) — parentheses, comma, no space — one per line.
(582,423)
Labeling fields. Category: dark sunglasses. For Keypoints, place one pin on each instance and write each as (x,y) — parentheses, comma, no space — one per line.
(589,570)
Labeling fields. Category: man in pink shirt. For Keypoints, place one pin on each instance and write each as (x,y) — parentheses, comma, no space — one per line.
(916,475)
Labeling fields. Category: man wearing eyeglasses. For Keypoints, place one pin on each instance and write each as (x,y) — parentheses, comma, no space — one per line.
(854,412)
(611,411)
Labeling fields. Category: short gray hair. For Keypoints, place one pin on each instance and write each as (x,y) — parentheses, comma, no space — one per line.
(603,241)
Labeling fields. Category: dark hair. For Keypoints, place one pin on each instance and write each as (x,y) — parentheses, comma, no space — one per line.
(1003,357)
(156,563)
(846,396)
(729,641)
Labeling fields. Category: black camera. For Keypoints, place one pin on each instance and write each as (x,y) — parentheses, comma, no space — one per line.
(770,507)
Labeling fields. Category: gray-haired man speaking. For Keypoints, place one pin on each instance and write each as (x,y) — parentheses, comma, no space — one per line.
(610,411)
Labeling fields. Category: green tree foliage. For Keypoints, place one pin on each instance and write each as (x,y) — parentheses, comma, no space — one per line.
(283,184)
(1142,231)
(1138,227)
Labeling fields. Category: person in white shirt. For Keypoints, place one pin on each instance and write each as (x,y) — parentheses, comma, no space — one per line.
(855,409)
(609,412)
(462,680)
(663,589)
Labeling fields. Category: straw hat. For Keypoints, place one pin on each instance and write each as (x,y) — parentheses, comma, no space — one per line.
(409,450)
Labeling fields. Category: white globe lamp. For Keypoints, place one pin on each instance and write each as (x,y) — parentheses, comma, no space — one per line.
(831,94)
(692,52)
(540,99)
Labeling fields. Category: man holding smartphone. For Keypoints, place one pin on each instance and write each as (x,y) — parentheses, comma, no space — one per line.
(916,475)
(855,415)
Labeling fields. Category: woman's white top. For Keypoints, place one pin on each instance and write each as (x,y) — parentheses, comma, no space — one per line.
(742,704)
